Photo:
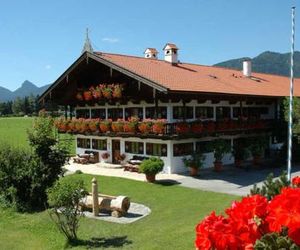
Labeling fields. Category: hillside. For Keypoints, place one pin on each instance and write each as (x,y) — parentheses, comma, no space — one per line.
(268,62)
(27,88)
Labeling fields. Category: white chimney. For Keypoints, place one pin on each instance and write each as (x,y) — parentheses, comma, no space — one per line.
(247,69)
(171,53)
(151,53)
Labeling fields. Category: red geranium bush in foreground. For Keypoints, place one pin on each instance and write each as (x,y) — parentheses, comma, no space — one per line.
(248,220)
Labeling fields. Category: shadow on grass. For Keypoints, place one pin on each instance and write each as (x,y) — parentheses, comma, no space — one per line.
(167,182)
(94,242)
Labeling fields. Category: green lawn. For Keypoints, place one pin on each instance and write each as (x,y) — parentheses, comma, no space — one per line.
(175,212)
(13,131)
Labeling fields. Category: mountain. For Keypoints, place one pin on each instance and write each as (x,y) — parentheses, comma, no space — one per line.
(268,62)
(27,88)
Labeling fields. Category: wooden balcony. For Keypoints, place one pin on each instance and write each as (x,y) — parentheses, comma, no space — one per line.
(162,130)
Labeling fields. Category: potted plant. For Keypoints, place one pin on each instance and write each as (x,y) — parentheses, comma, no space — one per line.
(158,126)
(96,92)
(240,153)
(117,126)
(117,91)
(105,156)
(150,167)
(79,96)
(106,91)
(182,128)
(219,147)
(72,125)
(94,125)
(105,126)
(131,125)
(197,127)
(194,162)
(145,126)
(84,125)
(87,94)
(257,147)
(210,127)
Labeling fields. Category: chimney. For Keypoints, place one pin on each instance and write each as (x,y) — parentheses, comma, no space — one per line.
(247,69)
(171,53)
(151,53)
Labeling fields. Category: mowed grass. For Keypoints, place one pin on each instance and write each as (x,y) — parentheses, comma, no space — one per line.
(13,131)
(175,212)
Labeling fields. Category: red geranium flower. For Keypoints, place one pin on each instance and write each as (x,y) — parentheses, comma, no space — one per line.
(284,211)
(296,181)
(248,218)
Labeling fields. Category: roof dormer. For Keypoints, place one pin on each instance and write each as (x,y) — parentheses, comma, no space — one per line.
(151,53)
(171,53)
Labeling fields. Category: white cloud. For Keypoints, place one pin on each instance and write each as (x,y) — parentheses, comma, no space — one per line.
(110,39)
(47,67)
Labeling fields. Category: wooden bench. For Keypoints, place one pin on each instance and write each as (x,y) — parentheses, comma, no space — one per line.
(133,165)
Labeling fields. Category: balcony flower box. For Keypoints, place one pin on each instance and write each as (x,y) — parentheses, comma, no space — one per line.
(106,91)
(105,126)
(210,127)
(145,126)
(96,92)
(94,125)
(130,126)
(182,128)
(117,126)
(87,94)
(197,127)
(158,126)
(117,91)
(79,96)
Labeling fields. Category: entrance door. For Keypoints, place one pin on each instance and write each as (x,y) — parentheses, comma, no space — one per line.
(115,151)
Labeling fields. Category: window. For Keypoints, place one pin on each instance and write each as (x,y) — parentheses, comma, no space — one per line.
(203,147)
(99,144)
(137,112)
(160,114)
(115,113)
(156,149)
(236,112)
(183,112)
(134,147)
(83,143)
(181,149)
(222,112)
(204,112)
(82,113)
(98,113)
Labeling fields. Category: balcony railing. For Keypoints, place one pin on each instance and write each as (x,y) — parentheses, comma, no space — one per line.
(149,128)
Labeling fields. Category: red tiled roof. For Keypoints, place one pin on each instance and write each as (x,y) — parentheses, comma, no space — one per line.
(199,78)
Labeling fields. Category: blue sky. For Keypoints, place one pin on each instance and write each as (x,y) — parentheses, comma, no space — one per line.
(40,39)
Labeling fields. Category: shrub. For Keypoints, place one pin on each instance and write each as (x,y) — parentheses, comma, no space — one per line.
(271,186)
(64,198)
(152,166)
(22,179)
(195,160)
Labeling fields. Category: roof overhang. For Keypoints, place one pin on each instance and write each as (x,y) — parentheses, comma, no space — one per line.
(86,56)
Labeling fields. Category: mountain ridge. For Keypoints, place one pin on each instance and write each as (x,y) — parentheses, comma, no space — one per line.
(27,88)
(267,62)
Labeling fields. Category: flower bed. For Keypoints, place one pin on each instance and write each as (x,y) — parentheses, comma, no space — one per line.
(253,218)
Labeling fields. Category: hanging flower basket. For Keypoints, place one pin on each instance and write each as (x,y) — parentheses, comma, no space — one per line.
(94,125)
(210,127)
(106,91)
